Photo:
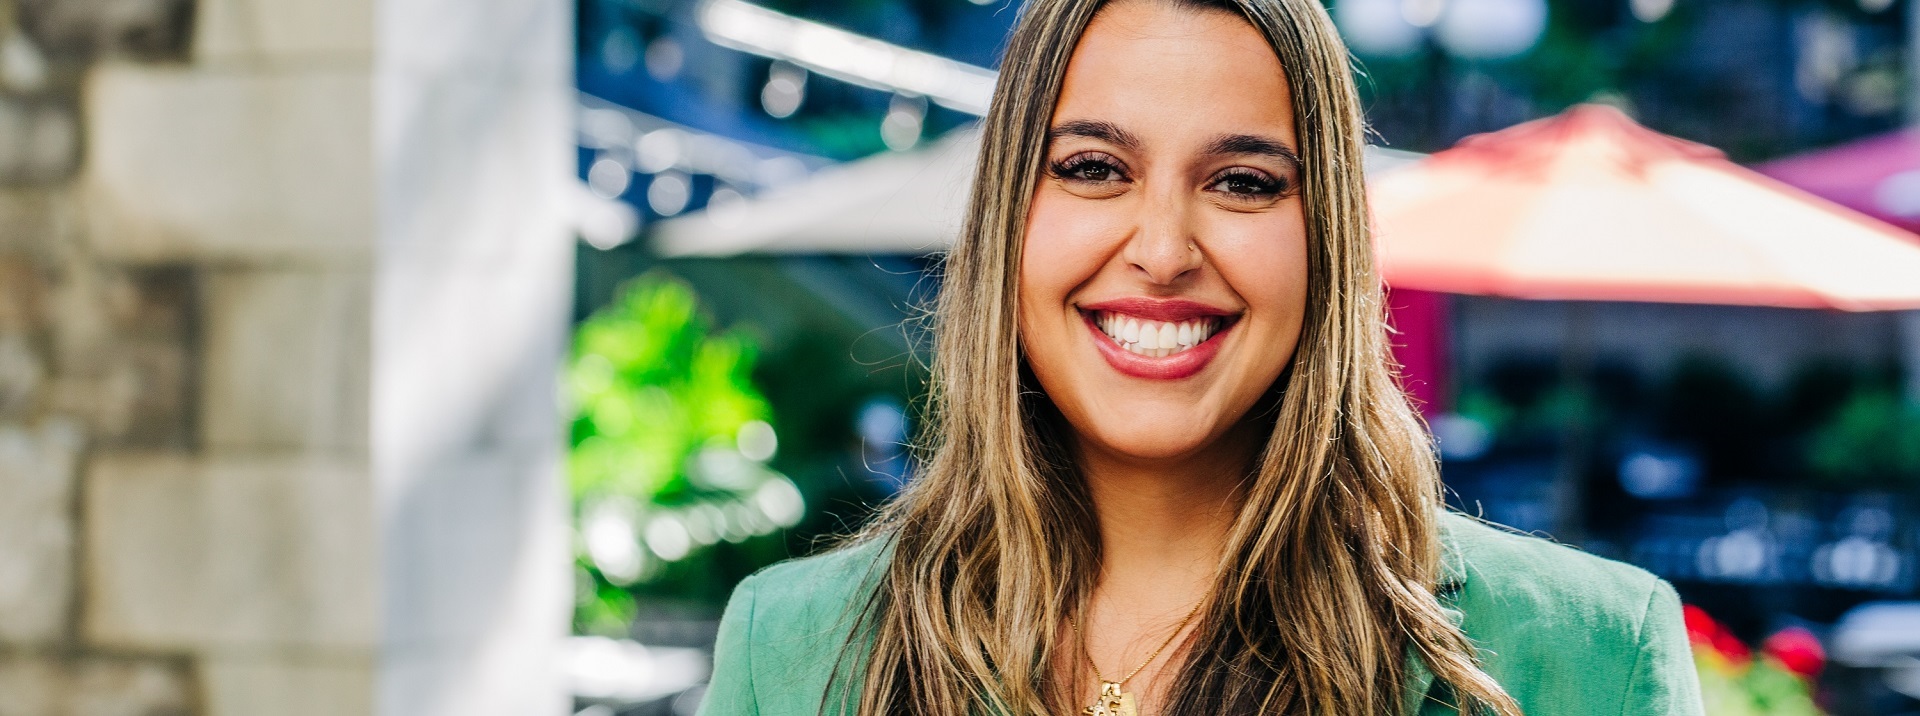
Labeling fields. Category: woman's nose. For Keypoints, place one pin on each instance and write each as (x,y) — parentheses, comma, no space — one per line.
(1164,246)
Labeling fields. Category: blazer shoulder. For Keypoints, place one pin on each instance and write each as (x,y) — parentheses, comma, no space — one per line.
(1559,627)
(789,628)
(808,605)
(827,581)
(1525,570)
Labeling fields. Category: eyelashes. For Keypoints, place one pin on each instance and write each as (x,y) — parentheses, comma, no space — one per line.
(1250,183)
(1086,167)
(1102,172)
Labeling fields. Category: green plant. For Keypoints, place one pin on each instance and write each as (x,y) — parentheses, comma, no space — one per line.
(1872,441)
(669,444)
(1757,688)
(1734,681)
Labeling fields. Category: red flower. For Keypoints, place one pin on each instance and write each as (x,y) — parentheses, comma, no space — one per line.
(1703,630)
(1798,650)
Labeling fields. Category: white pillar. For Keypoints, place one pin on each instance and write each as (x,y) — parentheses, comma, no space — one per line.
(472,133)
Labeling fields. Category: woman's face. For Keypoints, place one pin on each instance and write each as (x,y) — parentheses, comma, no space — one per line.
(1164,276)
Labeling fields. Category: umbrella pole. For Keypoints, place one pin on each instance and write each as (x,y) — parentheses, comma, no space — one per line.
(1576,448)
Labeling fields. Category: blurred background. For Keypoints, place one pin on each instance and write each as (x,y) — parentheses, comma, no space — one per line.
(459,356)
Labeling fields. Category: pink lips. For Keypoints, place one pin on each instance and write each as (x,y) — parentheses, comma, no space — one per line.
(1173,367)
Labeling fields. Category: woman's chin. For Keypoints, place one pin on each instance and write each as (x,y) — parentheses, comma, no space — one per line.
(1159,441)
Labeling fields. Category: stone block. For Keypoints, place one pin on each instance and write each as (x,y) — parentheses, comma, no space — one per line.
(39,140)
(217,553)
(79,319)
(157,302)
(33,222)
(250,166)
(37,466)
(21,374)
(102,687)
(23,290)
(123,345)
(30,686)
(250,686)
(79,29)
(65,686)
(288,358)
(256,31)
(156,326)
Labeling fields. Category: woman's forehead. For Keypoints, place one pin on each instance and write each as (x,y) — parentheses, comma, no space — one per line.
(1159,70)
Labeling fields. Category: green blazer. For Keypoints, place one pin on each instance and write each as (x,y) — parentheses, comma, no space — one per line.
(1566,633)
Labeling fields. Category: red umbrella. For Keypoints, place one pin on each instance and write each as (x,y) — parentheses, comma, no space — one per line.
(1588,205)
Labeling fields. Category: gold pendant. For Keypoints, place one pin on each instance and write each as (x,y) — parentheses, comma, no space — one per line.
(1112,702)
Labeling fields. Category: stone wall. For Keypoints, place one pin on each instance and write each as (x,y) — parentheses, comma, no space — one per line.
(283,284)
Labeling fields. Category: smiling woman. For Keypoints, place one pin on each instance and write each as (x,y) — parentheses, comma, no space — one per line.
(1168,467)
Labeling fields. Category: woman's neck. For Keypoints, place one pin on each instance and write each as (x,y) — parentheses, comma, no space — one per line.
(1163,526)
(1164,523)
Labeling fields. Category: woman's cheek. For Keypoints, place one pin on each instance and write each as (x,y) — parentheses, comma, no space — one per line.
(1266,266)
(1051,235)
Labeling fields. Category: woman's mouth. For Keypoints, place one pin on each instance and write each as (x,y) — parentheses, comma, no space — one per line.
(1157,338)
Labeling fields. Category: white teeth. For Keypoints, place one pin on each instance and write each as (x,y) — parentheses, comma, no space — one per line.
(1155,339)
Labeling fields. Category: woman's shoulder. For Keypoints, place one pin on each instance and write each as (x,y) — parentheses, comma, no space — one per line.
(1559,626)
(817,591)
(1523,566)
(786,629)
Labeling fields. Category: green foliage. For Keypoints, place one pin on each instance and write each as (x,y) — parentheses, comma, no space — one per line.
(651,386)
(1759,687)
(1872,441)
(669,440)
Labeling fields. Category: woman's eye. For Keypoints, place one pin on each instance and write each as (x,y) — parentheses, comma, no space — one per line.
(1249,185)
(1088,169)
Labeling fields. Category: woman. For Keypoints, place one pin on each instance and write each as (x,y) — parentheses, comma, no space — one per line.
(1169,469)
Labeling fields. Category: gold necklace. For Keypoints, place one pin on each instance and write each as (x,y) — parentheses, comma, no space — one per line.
(1112,701)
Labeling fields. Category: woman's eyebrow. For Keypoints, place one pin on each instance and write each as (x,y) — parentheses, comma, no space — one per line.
(1245,144)
(1095,129)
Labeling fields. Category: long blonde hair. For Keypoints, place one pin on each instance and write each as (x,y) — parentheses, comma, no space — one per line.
(1328,578)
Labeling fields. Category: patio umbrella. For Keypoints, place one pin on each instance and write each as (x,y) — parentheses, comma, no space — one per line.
(1878,176)
(1588,205)
(890,203)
